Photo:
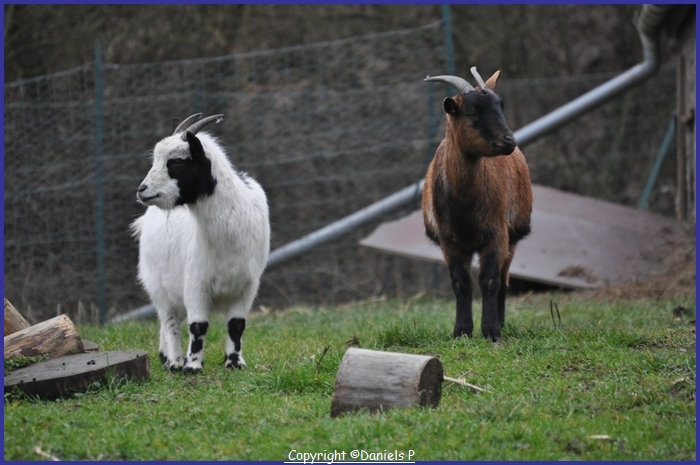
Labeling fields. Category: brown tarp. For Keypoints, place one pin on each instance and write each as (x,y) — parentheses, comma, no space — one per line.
(576,242)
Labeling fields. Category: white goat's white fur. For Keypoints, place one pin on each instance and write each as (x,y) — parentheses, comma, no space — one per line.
(208,255)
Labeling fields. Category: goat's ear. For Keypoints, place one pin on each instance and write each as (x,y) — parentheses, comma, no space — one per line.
(451,107)
(196,149)
(491,82)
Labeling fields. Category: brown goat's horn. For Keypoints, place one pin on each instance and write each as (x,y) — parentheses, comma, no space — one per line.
(457,82)
(196,127)
(477,76)
(186,123)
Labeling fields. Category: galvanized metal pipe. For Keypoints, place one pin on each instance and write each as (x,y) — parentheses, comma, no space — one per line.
(648,25)
(345,225)
(145,312)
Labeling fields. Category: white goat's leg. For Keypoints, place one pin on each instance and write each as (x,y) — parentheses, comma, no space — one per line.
(195,353)
(170,348)
(198,325)
(235,325)
(234,354)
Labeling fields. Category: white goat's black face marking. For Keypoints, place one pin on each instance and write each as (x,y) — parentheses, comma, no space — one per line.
(193,175)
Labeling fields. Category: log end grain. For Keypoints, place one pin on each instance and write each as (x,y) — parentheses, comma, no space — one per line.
(430,384)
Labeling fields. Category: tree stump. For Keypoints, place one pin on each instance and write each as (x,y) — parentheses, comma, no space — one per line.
(378,381)
(64,376)
(56,337)
(13,320)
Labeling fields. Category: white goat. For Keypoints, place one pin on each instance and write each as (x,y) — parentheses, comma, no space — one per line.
(203,242)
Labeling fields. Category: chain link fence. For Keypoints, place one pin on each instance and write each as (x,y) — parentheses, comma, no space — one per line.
(326,128)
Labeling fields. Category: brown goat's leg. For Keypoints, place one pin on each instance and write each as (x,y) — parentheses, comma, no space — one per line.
(462,287)
(490,283)
(504,287)
(502,297)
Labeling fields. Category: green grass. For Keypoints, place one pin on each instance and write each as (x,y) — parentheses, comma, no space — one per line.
(616,381)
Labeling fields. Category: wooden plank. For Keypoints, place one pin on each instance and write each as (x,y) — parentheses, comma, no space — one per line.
(576,242)
(90,346)
(64,376)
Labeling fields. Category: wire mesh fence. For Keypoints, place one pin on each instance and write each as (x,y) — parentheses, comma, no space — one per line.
(326,128)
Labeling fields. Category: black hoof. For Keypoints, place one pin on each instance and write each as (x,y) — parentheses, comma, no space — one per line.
(191,371)
(493,335)
(460,331)
(232,361)
(167,365)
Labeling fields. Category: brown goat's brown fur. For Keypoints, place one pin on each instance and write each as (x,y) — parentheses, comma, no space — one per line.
(477,201)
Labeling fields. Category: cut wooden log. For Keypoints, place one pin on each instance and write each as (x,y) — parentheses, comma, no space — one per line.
(377,381)
(55,337)
(64,376)
(14,321)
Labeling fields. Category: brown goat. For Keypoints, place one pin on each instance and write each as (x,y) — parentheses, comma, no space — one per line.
(477,198)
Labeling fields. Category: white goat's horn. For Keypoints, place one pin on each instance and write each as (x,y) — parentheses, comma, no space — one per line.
(196,127)
(186,123)
(457,82)
(477,76)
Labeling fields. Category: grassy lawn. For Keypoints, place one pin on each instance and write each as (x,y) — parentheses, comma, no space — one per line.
(616,381)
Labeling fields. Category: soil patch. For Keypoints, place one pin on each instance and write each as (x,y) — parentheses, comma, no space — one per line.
(675,276)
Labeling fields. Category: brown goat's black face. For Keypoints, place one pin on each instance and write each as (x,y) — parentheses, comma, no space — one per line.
(480,124)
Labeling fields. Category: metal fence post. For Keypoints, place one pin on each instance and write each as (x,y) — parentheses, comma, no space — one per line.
(99,187)
(642,204)
(449,44)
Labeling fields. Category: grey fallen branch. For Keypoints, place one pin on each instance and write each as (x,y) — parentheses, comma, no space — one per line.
(462,382)
(37,450)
